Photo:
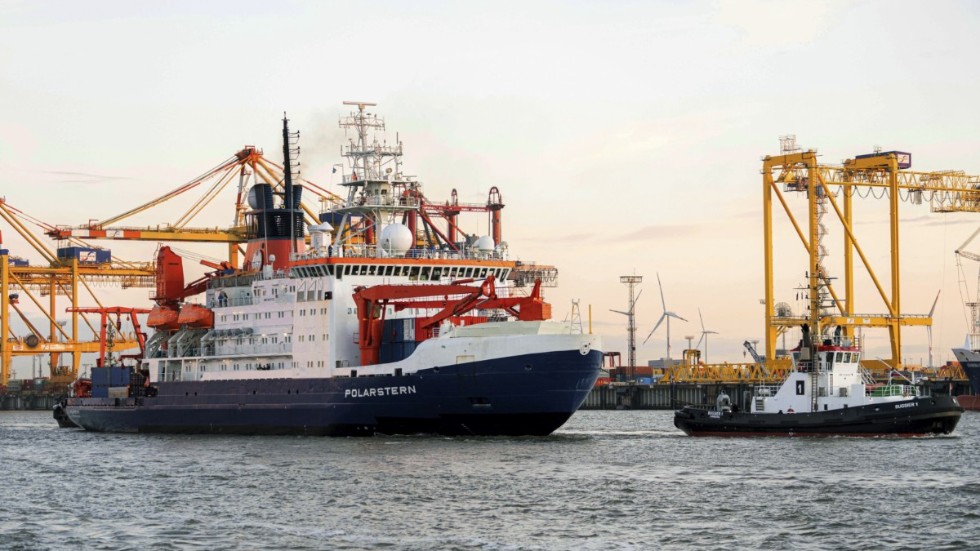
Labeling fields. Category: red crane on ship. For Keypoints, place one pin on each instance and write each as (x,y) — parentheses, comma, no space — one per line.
(372,302)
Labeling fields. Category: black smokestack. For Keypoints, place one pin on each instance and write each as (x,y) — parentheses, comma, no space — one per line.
(286,164)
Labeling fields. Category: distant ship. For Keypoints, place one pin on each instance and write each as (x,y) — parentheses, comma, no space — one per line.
(970,361)
(826,395)
(387,323)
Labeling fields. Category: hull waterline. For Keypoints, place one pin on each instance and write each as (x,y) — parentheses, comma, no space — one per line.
(916,417)
(527,395)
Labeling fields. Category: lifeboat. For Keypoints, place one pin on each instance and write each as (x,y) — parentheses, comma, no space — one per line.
(82,388)
(195,315)
(163,318)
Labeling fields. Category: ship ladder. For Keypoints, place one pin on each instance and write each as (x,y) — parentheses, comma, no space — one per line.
(814,377)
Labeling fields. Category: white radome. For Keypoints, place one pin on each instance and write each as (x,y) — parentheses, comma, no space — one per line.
(320,235)
(484,244)
(396,239)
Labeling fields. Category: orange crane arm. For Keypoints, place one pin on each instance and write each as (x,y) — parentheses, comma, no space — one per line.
(371,303)
(118,311)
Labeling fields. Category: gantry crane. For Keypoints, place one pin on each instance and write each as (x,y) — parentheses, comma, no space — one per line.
(59,276)
(795,170)
(248,165)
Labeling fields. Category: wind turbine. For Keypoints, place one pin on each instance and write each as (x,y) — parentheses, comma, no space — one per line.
(665,316)
(929,327)
(704,336)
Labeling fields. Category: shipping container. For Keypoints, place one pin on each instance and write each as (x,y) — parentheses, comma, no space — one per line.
(14,260)
(100,377)
(119,376)
(85,255)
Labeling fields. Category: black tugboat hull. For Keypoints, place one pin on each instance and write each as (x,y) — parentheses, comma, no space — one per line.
(917,417)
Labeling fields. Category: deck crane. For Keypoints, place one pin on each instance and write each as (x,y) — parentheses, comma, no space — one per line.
(372,303)
(886,173)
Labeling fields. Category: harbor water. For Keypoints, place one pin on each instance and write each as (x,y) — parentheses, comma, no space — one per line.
(606,480)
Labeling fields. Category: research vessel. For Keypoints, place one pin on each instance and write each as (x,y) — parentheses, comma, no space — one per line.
(826,394)
(387,322)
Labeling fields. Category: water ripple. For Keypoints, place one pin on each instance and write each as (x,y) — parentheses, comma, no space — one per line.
(606,481)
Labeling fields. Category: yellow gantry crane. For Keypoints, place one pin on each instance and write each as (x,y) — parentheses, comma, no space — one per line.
(61,277)
(831,189)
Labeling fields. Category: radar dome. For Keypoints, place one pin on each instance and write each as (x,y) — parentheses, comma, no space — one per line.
(396,239)
(783,310)
(320,235)
(260,196)
(484,244)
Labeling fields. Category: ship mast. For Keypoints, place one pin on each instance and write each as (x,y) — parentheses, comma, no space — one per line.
(376,182)
(290,150)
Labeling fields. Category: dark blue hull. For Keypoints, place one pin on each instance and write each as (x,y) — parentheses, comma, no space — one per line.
(916,417)
(972,370)
(522,395)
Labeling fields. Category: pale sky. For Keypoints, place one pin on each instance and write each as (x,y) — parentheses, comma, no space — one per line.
(625,137)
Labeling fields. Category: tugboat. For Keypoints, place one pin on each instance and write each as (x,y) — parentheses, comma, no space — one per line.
(386,323)
(826,394)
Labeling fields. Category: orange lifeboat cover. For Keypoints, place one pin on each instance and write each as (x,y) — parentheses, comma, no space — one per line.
(195,315)
(162,318)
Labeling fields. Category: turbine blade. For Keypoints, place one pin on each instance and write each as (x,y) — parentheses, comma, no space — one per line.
(662,301)
(619,312)
(701,317)
(661,320)
(698,345)
(933,309)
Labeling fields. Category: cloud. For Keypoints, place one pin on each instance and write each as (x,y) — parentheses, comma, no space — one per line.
(646,233)
(662,230)
(776,23)
(82,177)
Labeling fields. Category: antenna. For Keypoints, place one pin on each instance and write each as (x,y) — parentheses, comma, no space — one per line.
(290,148)
(787,143)
(360,104)
(631,281)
